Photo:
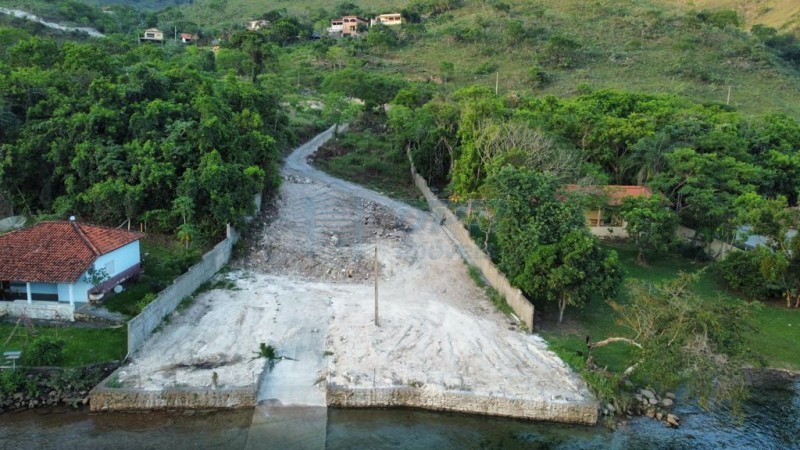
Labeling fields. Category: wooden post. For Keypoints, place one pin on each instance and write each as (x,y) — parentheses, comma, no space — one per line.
(728,102)
(377,324)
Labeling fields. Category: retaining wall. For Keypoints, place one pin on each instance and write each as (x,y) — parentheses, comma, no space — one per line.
(522,307)
(584,412)
(38,310)
(141,326)
(125,399)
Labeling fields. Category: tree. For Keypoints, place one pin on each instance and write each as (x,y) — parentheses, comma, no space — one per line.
(680,338)
(374,89)
(703,187)
(339,110)
(779,257)
(570,271)
(543,244)
(650,224)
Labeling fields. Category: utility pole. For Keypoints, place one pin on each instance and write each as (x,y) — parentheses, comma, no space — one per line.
(377,324)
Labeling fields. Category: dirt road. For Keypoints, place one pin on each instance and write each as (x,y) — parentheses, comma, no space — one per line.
(306,287)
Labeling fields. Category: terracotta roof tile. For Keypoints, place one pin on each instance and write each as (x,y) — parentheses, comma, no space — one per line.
(57,252)
(614,192)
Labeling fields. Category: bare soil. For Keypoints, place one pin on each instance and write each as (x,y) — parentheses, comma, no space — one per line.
(306,286)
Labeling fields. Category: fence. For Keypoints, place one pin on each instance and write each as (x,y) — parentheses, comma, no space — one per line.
(522,307)
(141,326)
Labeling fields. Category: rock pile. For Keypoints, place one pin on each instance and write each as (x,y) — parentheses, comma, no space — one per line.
(650,404)
(20,401)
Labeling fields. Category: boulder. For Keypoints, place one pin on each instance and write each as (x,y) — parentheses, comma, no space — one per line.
(659,416)
(653,401)
(670,395)
(673,420)
(647,393)
(667,402)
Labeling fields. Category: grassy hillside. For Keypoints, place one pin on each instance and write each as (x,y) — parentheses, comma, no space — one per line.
(564,48)
(239,11)
(780,14)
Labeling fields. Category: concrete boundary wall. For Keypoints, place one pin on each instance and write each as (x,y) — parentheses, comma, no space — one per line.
(522,307)
(567,411)
(141,326)
(717,249)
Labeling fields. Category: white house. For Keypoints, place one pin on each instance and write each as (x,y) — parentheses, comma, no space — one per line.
(387,19)
(152,35)
(46,270)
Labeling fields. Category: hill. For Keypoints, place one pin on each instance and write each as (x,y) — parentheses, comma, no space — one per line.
(780,14)
(561,48)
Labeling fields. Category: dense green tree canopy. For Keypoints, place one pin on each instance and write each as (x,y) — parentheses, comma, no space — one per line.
(112,132)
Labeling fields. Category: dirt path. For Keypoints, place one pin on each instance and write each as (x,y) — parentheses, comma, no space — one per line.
(306,287)
(26,15)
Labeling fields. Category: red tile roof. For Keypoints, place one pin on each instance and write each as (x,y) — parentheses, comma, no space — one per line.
(614,192)
(57,252)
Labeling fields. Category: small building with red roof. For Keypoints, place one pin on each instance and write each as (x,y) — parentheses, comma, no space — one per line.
(63,263)
(609,197)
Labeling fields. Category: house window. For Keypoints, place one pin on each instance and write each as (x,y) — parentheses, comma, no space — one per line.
(109,267)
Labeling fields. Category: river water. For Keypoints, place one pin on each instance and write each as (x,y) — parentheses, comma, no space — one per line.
(771,421)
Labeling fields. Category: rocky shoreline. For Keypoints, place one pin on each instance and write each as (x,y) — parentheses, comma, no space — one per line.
(32,388)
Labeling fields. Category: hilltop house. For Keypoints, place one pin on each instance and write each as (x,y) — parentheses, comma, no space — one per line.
(604,215)
(347,26)
(152,35)
(188,38)
(47,269)
(387,19)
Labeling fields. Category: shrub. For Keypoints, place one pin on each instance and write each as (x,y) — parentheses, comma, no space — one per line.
(486,68)
(45,351)
(742,272)
(11,382)
(144,301)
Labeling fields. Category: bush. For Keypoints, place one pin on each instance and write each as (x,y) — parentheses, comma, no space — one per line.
(144,301)
(45,351)
(742,272)
(11,382)
(486,68)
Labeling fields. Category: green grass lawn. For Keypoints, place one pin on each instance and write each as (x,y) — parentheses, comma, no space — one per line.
(84,345)
(776,341)
(162,262)
(365,157)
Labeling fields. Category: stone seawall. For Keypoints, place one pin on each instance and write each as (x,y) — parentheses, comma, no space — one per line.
(555,410)
(106,397)
(127,399)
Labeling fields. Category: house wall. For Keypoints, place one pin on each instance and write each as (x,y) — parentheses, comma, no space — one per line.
(121,259)
(79,291)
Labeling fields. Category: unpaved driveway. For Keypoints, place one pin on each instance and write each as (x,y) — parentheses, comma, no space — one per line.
(306,287)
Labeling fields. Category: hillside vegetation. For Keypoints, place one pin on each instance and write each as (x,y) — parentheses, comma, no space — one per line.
(780,14)
(561,48)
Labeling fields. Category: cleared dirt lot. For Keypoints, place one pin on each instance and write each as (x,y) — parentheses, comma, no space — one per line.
(306,287)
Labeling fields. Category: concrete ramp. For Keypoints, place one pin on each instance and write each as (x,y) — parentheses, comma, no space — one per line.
(292,412)
(288,427)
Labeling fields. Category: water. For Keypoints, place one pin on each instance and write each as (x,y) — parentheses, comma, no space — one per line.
(771,421)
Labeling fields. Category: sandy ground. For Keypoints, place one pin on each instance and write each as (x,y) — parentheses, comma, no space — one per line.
(306,287)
